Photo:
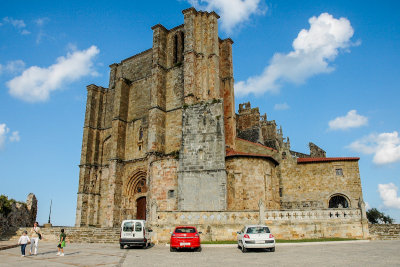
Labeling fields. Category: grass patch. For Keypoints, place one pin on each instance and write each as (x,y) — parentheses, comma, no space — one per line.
(314,240)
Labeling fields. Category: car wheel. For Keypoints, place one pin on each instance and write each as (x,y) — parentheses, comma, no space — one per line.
(272,249)
(244,250)
(121,246)
(171,249)
(198,249)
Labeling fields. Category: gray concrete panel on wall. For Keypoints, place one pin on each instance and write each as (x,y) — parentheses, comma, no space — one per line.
(202,174)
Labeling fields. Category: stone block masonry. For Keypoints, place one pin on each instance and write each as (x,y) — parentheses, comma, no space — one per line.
(202,173)
(384,231)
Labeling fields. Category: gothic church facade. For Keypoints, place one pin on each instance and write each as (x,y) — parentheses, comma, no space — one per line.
(163,143)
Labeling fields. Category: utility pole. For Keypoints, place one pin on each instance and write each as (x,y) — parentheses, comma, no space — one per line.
(51,203)
(48,224)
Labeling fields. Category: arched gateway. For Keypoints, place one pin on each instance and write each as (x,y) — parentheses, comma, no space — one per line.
(137,189)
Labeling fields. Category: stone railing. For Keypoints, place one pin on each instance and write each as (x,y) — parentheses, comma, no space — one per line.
(234,217)
(322,214)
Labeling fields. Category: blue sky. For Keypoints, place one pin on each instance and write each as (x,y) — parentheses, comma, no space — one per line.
(335,84)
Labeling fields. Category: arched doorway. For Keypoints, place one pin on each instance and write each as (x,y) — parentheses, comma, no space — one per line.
(141,208)
(338,202)
(136,190)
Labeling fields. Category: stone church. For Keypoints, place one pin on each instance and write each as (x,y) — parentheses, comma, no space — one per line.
(163,143)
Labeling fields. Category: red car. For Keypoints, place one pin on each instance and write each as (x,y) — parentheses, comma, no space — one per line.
(185,237)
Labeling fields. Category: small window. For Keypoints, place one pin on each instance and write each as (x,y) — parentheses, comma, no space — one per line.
(339,172)
(185,230)
(140,147)
(175,49)
(140,134)
(258,230)
(138,227)
(171,193)
(280,191)
(128,227)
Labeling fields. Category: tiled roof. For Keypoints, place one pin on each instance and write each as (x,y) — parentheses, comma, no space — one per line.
(312,160)
(234,153)
(270,148)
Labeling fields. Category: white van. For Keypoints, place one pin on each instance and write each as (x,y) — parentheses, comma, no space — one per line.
(134,233)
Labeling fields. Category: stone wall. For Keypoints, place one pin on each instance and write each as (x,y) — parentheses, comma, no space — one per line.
(251,180)
(384,231)
(76,234)
(251,147)
(164,184)
(293,224)
(21,214)
(311,185)
(316,151)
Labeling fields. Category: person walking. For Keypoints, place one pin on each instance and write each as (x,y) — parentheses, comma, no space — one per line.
(61,244)
(23,241)
(36,235)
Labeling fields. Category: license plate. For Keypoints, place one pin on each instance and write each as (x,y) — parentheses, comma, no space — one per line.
(260,241)
(185,244)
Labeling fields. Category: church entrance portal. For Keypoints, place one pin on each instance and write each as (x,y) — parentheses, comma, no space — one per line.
(141,208)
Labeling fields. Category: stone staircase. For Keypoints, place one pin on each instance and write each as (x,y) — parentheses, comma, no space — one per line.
(384,231)
(75,234)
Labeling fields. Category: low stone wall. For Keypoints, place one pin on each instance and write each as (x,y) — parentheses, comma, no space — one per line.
(21,214)
(293,224)
(76,234)
(216,226)
(384,231)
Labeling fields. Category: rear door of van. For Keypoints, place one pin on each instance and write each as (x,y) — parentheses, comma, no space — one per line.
(139,229)
(128,229)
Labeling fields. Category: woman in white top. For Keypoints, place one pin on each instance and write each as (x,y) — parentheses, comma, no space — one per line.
(36,235)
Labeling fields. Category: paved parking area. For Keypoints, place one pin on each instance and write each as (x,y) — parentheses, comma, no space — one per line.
(374,253)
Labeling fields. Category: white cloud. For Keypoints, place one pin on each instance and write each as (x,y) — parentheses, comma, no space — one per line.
(351,120)
(36,83)
(41,21)
(3,134)
(313,49)
(388,193)
(367,206)
(384,146)
(232,12)
(283,106)
(15,22)
(13,66)
(15,137)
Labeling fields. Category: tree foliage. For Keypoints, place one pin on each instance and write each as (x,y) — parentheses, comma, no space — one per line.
(375,216)
(5,205)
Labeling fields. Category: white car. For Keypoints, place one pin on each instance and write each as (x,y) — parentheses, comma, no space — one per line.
(255,236)
(134,233)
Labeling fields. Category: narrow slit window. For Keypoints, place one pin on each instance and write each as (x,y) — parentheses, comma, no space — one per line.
(175,49)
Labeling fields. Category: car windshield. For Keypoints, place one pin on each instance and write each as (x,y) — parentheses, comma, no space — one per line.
(128,227)
(258,230)
(185,230)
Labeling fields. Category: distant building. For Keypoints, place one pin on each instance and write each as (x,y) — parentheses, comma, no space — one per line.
(163,143)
